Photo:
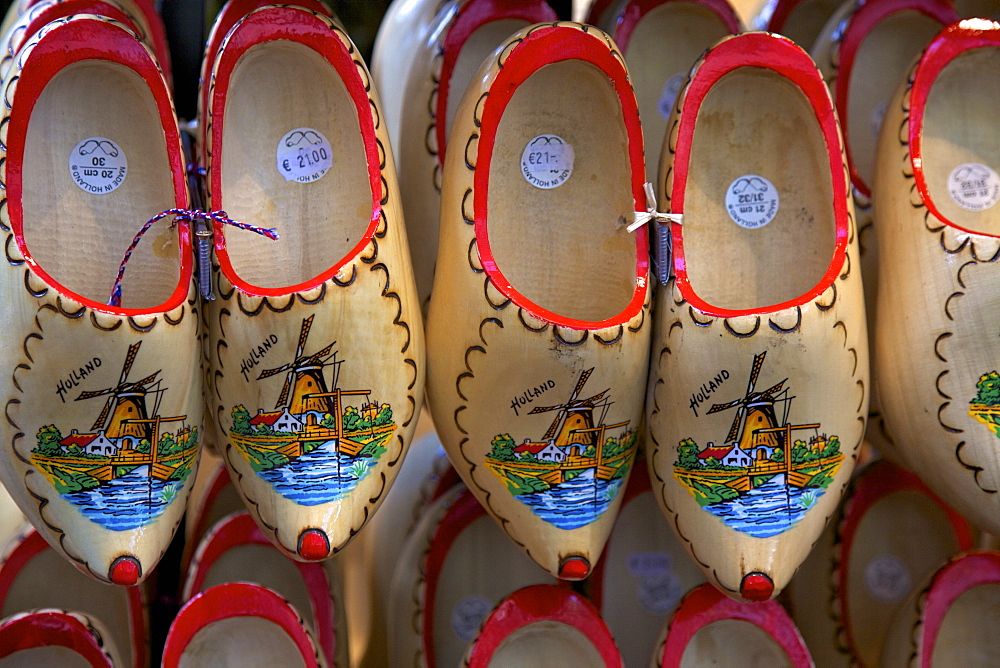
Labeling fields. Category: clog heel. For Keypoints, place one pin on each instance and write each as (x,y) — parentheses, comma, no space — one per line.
(316,344)
(759,381)
(103,402)
(55,638)
(539,333)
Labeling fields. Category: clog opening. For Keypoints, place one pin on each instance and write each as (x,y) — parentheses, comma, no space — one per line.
(970,632)
(293,158)
(881,62)
(49,581)
(660,52)
(899,542)
(95,169)
(751,242)
(258,641)
(265,566)
(734,642)
(564,247)
(960,149)
(479,45)
(63,657)
(546,643)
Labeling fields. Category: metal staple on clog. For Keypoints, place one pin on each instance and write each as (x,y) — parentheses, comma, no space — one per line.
(204,235)
(662,245)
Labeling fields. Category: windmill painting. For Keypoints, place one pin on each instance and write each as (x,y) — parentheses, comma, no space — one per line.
(128,467)
(761,479)
(571,474)
(314,446)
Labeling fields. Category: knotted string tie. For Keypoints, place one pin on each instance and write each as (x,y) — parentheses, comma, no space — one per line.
(662,245)
(192,216)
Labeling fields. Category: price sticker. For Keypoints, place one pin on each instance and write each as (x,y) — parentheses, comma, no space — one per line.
(547,161)
(974,186)
(752,201)
(304,155)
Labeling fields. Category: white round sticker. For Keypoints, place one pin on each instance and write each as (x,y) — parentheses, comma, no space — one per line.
(752,201)
(97,165)
(468,615)
(888,578)
(547,161)
(304,155)
(974,187)
(669,94)
(878,115)
(659,594)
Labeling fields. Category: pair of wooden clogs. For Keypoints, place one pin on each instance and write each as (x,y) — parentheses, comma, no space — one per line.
(315,371)
(536,264)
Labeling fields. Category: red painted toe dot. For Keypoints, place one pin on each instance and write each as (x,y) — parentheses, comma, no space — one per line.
(314,545)
(574,568)
(756,587)
(125,571)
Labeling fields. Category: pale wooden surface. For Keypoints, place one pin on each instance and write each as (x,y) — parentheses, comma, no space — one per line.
(970,632)
(546,643)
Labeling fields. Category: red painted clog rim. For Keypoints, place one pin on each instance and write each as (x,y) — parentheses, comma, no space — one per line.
(543,603)
(234,599)
(759,50)
(87,37)
(951,581)
(541,46)
(950,43)
(273,23)
(705,604)
(48,628)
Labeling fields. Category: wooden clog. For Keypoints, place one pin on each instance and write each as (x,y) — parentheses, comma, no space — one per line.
(464,34)
(534,372)
(889,536)
(936,346)
(239,623)
(544,625)
(316,339)
(33,576)
(54,638)
(765,293)
(43,13)
(710,629)
(643,574)
(441,593)
(235,550)
(92,385)
(401,36)
(952,620)
(661,40)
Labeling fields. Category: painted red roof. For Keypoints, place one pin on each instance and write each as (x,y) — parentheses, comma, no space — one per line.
(533,448)
(266,418)
(718,452)
(82,440)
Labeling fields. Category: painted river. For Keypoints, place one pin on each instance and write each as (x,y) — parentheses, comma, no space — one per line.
(768,510)
(128,502)
(574,503)
(320,476)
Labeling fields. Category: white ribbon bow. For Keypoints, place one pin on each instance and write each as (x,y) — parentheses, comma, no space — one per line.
(651,214)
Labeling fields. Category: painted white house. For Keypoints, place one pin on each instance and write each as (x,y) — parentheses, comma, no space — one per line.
(737,457)
(550,453)
(102,445)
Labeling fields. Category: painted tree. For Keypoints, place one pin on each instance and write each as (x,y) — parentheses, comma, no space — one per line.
(687,454)
(988,389)
(503,448)
(241,421)
(48,438)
